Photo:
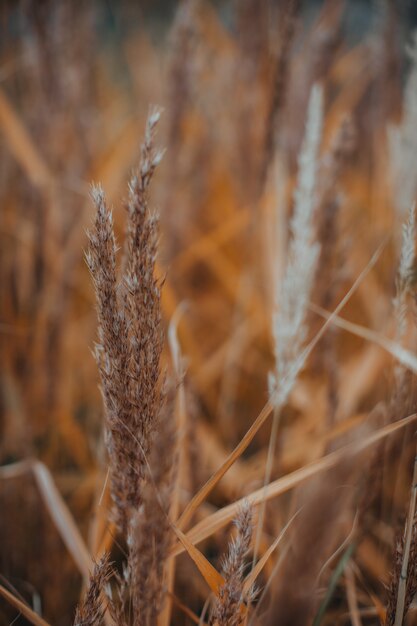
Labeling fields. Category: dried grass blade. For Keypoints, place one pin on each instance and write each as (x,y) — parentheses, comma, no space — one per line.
(218,520)
(405,357)
(62,519)
(371,263)
(164,617)
(212,577)
(214,479)
(23,608)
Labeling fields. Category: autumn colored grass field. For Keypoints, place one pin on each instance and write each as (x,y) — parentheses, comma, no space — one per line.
(208,313)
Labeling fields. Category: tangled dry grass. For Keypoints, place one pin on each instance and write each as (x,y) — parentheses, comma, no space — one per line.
(236,273)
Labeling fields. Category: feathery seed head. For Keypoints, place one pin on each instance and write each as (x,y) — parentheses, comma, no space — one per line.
(293,294)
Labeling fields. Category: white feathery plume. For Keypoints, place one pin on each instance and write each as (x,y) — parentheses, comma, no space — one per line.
(403,142)
(405,272)
(293,293)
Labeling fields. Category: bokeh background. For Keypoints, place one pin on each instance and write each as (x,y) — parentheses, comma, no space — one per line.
(233,79)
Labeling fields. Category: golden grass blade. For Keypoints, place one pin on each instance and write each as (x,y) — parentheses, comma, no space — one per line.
(206,569)
(266,411)
(21,144)
(213,454)
(405,357)
(218,520)
(214,479)
(372,262)
(23,608)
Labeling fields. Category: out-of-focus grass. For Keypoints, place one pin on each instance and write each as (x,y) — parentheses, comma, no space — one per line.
(234,81)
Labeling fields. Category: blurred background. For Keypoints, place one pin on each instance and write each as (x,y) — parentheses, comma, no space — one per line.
(233,78)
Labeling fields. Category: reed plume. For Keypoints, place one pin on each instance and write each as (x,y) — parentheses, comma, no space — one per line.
(150,532)
(111,351)
(293,294)
(228,609)
(405,271)
(129,332)
(90,612)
